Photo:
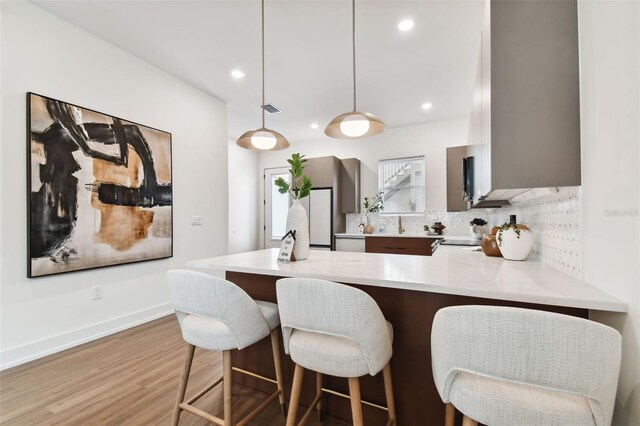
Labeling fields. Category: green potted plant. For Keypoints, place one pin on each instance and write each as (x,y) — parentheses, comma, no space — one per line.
(373,204)
(299,188)
(477,228)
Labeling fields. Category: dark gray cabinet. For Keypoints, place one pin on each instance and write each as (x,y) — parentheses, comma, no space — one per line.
(349,184)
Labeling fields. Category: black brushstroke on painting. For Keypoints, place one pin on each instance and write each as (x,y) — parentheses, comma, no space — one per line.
(54,207)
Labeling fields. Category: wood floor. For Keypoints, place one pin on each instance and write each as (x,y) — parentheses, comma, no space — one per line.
(129,378)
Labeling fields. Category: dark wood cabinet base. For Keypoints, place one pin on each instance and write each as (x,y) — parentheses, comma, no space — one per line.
(420,246)
(411,313)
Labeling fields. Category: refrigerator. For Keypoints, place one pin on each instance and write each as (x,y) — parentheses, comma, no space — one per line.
(319,206)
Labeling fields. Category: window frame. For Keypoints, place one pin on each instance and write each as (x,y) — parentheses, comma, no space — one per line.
(386,161)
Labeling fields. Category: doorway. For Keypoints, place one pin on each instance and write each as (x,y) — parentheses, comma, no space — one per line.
(276,207)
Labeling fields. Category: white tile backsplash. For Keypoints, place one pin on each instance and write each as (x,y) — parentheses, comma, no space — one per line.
(555,219)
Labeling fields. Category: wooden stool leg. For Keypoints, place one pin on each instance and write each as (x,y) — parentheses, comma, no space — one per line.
(183,384)
(319,392)
(295,395)
(227,382)
(388,391)
(449,414)
(467,421)
(275,347)
(356,404)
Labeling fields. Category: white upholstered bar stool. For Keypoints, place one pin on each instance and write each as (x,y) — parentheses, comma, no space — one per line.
(511,366)
(337,330)
(215,314)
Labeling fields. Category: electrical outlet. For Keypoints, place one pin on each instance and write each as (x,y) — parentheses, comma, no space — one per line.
(96,292)
(196,220)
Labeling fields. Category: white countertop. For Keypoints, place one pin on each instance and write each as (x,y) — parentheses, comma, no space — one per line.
(451,270)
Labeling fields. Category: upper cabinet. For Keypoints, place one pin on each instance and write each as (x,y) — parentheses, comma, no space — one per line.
(343,176)
(526,107)
(349,183)
(462,175)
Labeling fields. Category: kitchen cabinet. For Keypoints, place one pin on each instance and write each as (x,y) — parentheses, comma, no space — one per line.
(526,107)
(349,184)
(399,245)
(456,201)
(347,243)
(462,175)
(323,171)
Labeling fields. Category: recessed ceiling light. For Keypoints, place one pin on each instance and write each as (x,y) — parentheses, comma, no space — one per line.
(314,125)
(427,105)
(405,25)
(237,74)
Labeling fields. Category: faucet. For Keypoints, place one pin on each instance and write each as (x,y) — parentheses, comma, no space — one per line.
(400,228)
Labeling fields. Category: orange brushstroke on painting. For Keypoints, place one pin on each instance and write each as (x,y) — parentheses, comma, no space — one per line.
(120,226)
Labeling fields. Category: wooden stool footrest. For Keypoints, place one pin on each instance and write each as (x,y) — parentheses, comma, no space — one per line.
(203,391)
(203,414)
(371,404)
(252,374)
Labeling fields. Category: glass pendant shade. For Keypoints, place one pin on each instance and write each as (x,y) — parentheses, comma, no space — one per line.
(262,139)
(354,125)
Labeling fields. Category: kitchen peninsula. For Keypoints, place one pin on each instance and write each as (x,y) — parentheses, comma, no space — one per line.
(409,290)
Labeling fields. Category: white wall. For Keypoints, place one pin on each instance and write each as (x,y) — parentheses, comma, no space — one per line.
(429,139)
(244,175)
(610,115)
(46,55)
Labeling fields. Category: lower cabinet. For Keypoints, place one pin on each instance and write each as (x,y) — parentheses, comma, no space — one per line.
(400,245)
(350,244)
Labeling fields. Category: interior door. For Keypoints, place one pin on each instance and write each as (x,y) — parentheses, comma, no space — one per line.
(276,206)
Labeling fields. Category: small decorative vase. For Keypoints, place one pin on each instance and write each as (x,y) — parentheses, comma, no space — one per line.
(515,240)
(367,229)
(297,221)
(478,231)
(438,227)
(490,246)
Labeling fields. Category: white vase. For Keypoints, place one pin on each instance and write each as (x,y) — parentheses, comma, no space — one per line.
(297,221)
(478,231)
(366,228)
(515,245)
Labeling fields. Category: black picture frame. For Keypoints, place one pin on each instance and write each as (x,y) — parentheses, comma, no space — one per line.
(99,189)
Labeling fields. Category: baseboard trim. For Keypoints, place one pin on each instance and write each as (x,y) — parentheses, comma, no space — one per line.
(17,355)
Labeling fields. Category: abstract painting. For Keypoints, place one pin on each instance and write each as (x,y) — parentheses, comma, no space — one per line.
(100,190)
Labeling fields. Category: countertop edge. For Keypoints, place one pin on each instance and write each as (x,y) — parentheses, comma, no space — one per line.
(608,306)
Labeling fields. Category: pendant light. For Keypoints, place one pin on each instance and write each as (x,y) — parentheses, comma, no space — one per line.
(262,139)
(354,124)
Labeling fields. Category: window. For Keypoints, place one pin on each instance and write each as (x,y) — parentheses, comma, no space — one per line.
(401,182)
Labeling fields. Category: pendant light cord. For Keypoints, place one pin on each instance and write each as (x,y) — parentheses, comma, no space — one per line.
(263,64)
(353,37)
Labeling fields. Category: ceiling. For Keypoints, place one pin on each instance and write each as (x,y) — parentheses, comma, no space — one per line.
(308,55)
